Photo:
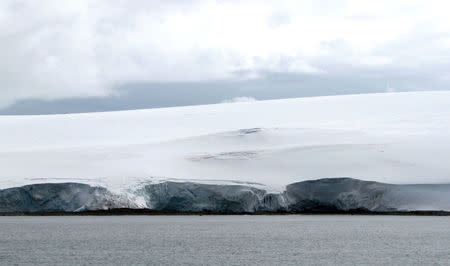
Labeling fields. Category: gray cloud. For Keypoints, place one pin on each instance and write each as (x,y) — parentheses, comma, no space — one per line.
(139,95)
(83,53)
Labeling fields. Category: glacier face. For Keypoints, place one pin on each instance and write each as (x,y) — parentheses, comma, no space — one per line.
(60,197)
(322,195)
(347,194)
(196,197)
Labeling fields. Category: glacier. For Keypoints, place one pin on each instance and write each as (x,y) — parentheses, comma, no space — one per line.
(261,156)
(322,195)
(60,197)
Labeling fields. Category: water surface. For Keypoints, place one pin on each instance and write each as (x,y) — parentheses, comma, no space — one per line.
(225,240)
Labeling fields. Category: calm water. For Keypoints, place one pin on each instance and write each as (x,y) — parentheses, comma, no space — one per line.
(225,240)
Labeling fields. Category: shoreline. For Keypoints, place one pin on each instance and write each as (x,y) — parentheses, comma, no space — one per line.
(149,212)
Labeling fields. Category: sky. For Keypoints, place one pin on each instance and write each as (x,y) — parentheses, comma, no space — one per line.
(89,55)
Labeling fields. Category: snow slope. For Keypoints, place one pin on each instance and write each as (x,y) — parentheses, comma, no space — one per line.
(400,138)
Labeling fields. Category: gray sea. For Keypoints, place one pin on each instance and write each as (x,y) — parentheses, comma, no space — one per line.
(225,240)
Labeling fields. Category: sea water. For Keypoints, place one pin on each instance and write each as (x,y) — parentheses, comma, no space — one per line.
(225,240)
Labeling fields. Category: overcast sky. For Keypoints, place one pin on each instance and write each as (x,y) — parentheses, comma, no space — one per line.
(77,56)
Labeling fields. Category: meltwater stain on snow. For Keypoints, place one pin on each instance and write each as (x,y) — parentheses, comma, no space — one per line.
(234,155)
(249,131)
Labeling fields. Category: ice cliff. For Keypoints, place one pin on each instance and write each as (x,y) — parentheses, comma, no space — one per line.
(62,197)
(322,195)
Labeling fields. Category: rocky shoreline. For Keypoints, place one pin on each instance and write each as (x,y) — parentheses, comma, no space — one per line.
(149,212)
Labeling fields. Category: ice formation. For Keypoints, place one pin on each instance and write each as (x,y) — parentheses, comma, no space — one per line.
(246,156)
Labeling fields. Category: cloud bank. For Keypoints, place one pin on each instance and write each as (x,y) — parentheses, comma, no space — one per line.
(57,50)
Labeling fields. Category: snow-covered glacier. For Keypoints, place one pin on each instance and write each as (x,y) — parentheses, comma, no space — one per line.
(262,156)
